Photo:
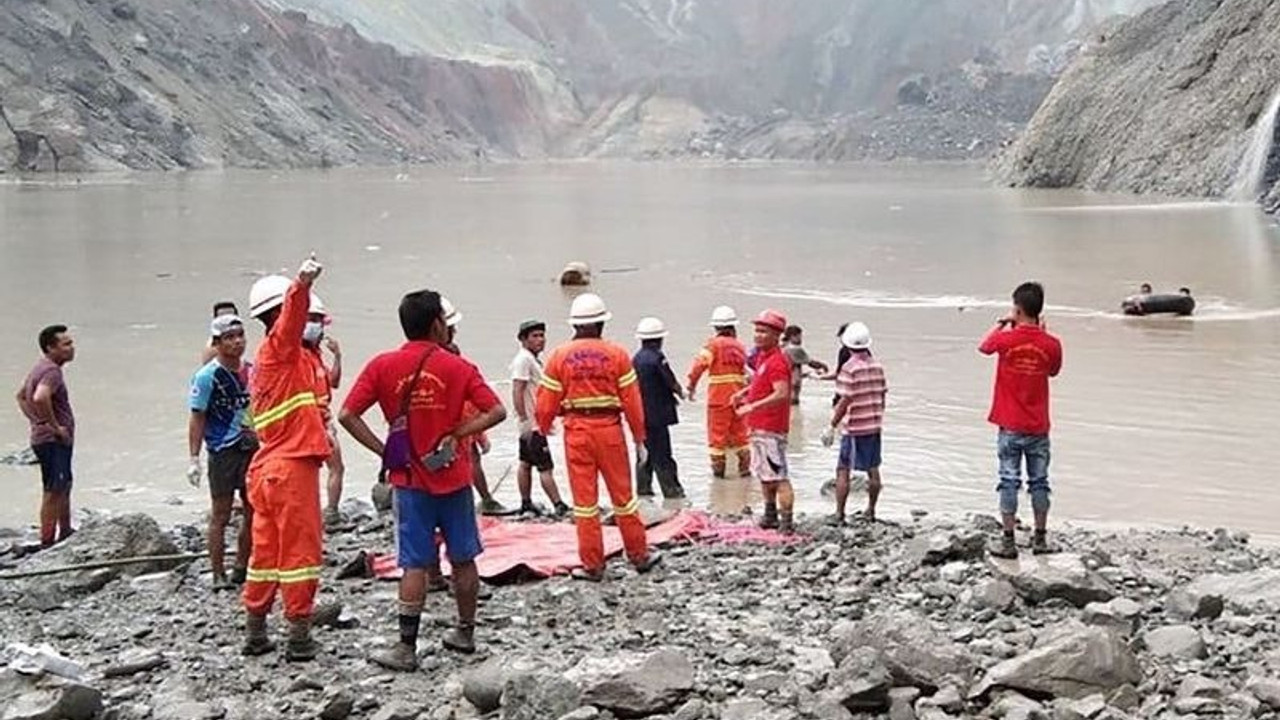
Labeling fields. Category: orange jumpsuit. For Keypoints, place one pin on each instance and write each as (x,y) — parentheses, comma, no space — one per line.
(724,360)
(284,477)
(592,384)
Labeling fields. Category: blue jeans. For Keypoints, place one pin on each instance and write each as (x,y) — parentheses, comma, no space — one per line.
(1012,447)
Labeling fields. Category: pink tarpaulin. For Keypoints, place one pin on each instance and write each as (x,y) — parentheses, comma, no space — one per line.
(526,550)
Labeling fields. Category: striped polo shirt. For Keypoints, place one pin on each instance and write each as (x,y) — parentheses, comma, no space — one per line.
(862,379)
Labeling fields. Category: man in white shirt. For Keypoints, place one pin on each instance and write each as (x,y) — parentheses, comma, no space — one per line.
(526,373)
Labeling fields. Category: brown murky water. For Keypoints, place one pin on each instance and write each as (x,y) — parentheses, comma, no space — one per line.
(1156,421)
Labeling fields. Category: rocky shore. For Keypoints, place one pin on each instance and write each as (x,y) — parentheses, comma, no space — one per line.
(907,620)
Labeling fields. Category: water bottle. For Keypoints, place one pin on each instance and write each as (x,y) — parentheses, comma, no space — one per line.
(43,659)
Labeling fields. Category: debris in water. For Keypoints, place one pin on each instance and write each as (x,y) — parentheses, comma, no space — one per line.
(373,248)
(627,269)
(575,274)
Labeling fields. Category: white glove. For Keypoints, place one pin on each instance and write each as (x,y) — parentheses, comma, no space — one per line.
(310,269)
(642,454)
(194,472)
(828,437)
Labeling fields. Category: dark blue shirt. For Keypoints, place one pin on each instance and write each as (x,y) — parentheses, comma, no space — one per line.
(657,387)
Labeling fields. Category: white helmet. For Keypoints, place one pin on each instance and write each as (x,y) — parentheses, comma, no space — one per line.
(651,328)
(267,294)
(317,306)
(856,336)
(451,315)
(724,316)
(588,309)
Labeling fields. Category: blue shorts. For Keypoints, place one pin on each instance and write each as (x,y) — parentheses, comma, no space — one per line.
(860,452)
(419,515)
(55,466)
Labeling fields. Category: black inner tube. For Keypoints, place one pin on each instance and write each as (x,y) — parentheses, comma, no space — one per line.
(1159,305)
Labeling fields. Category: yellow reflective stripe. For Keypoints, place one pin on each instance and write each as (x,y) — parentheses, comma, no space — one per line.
(591,403)
(725,379)
(551,384)
(252,575)
(716,452)
(279,412)
(627,379)
(586,511)
(630,508)
(299,575)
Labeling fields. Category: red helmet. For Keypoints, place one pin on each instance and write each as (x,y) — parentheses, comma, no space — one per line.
(772,319)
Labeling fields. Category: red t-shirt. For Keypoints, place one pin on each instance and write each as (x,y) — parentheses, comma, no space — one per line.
(1029,356)
(771,366)
(446,383)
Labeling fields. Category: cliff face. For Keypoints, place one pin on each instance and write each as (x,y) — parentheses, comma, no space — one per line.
(1171,101)
(171,83)
(265,83)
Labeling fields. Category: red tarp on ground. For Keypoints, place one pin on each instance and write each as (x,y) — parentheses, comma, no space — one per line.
(525,550)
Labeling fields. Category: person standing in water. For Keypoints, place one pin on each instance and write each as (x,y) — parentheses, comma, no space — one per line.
(660,393)
(724,360)
(793,347)
(859,415)
(1028,356)
(45,402)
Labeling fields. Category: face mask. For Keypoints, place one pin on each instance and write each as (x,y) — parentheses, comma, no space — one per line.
(312,333)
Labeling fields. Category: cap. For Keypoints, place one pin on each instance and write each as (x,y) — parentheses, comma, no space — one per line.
(224,324)
(529,327)
(772,319)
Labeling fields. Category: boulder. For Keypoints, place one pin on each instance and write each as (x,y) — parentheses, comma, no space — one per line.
(945,548)
(997,594)
(745,709)
(862,682)
(902,702)
(1014,706)
(1077,665)
(575,274)
(915,654)
(397,711)
(1083,709)
(338,707)
(1200,687)
(1242,591)
(694,709)
(483,686)
(1045,577)
(26,698)
(1266,690)
(632,685)
(1119,613)
(538,696)
(106,538)
(582,713)
(1181,642)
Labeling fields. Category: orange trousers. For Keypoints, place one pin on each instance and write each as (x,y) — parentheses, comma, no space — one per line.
(287,540)
(594,448)
(726,431)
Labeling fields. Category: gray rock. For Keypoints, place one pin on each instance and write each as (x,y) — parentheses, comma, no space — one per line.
(634,685)
(947,548)
(1046,577)
(1243,591)
(482,687)
(538,696)
(1014,706)
(1184,605)
(189,710)
(1265,689)
(764,682)
(901,702)
(338,707)
(1176,641)
(582,713)
(1080,664)
(1119,613)
(828,708)
(1198,686)
(862,682)
(694,709)
(1244,704)
(22,698)
(913,652)
(1083,709)
(998,594)
(815,662)
(397,711)
(747,709)
(1196,706)
(1125,697)
(948,699)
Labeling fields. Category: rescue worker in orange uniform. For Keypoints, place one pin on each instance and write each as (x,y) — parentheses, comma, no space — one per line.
(724,360)
(284,477)
(591,383)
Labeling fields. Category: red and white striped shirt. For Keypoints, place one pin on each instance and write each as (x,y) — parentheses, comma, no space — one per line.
(862,379)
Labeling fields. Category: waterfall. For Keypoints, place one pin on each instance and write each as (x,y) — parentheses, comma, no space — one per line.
(1253,166)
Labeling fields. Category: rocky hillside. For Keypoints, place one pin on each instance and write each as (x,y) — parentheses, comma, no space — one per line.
(266,83)
(1172,101)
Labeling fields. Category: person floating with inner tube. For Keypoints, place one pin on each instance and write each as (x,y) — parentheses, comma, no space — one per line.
(1147,302)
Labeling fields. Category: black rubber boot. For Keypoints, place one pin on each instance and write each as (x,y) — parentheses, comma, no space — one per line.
(770,519)
(300,646)
(669,481)
(256,641)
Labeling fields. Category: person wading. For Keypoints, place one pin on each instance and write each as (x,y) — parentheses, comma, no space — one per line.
(44,400)
(724,360)
(219,407)
(284,477)
(765,404)
(661,393)
(859,415)
(526,375)
(592,384)
(421,388)
(328,377)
